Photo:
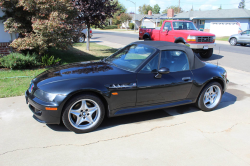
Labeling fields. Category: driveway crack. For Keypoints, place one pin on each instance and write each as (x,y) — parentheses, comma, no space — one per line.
(91,143)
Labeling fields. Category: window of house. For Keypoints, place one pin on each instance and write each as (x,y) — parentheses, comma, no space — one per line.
(202,22)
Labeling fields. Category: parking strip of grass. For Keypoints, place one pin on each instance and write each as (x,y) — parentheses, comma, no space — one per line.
(17,85)
(223,38)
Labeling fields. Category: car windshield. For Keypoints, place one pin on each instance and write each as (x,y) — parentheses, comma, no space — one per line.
(130,57)
(183,26)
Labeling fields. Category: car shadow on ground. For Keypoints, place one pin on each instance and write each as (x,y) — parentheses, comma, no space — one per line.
(156,115)
(213,57)
(238,45)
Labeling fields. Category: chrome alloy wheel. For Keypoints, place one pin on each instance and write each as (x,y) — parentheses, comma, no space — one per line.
(81,39)
(212,96)
(84,114)
(233,41)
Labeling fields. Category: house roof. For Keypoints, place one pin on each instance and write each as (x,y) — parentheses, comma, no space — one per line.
(214,14)
(153,17)
(207,14)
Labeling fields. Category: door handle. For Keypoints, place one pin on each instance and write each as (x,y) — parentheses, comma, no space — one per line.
(186,78)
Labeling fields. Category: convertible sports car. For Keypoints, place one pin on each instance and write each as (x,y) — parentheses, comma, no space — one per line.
(142,76)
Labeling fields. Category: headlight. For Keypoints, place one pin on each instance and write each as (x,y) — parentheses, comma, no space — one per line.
(214,37)
(45,96)
(191,38)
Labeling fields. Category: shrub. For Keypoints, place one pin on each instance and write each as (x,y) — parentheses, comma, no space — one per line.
(131,25)
(110,27)
(19,61)
(49,60)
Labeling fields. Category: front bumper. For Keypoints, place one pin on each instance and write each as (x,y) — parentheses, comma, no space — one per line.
(201,46)
(42,115)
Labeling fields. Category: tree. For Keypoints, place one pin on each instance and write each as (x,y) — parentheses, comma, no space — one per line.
(144,9)
(124,17)
(242,4)
(95,12)
(156,9)
(121,9)
(176,9)
(40,24)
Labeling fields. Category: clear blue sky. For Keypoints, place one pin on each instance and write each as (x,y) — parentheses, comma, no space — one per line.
(185,4)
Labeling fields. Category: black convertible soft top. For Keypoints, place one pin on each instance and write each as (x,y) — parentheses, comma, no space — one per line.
(194,61)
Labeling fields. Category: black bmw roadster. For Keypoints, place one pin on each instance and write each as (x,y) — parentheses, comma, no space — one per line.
(142,76)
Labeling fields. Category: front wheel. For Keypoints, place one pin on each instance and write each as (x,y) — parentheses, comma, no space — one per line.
(83,113)
(233,41)
(206,53)
(210,97)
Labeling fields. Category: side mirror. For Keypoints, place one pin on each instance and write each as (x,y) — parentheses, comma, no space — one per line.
(161,71)
(165,29)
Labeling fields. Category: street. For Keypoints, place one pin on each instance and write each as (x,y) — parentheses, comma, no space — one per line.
(237,57)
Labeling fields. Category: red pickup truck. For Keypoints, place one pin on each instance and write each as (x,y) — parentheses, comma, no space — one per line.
(183,32)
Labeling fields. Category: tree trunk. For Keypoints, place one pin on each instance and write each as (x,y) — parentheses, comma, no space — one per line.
(88,26)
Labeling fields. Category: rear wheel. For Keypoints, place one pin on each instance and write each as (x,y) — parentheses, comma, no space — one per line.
(210,97)
(83,113)
(233,41)
(206,53)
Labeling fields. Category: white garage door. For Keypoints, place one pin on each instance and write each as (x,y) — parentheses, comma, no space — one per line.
(148,24)
(223,28)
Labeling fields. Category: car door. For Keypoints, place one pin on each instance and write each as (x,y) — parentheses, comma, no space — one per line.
(171,87)
(248,36)
(244,37)
(166,33)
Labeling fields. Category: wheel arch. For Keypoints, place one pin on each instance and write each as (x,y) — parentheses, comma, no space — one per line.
(219,80)
(84,91)
(180,40)
(146,35)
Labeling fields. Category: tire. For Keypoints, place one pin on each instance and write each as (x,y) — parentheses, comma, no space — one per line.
(81,39)
(233,41)
(209,100)
(206,53)
(243,44)
(83,113)
(146,38)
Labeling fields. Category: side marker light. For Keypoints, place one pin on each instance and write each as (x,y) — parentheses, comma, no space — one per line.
(50,108)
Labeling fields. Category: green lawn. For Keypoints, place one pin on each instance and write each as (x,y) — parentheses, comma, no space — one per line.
(224,38)
(19,84)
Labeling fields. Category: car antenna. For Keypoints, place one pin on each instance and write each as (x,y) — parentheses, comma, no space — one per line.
(218,57)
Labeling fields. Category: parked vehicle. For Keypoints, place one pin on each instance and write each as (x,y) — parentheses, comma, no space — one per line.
(242,38)
(183,32)
(83,36)
(142,76)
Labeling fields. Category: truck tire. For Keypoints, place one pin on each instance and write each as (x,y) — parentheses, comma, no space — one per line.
(206,53)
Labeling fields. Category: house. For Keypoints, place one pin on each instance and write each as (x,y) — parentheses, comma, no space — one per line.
(5,37)
(221,22)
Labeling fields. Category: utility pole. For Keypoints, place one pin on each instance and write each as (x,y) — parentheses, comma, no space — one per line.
(179,7)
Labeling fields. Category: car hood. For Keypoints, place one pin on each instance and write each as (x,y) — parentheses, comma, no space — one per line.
(76,71)
(195,33)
